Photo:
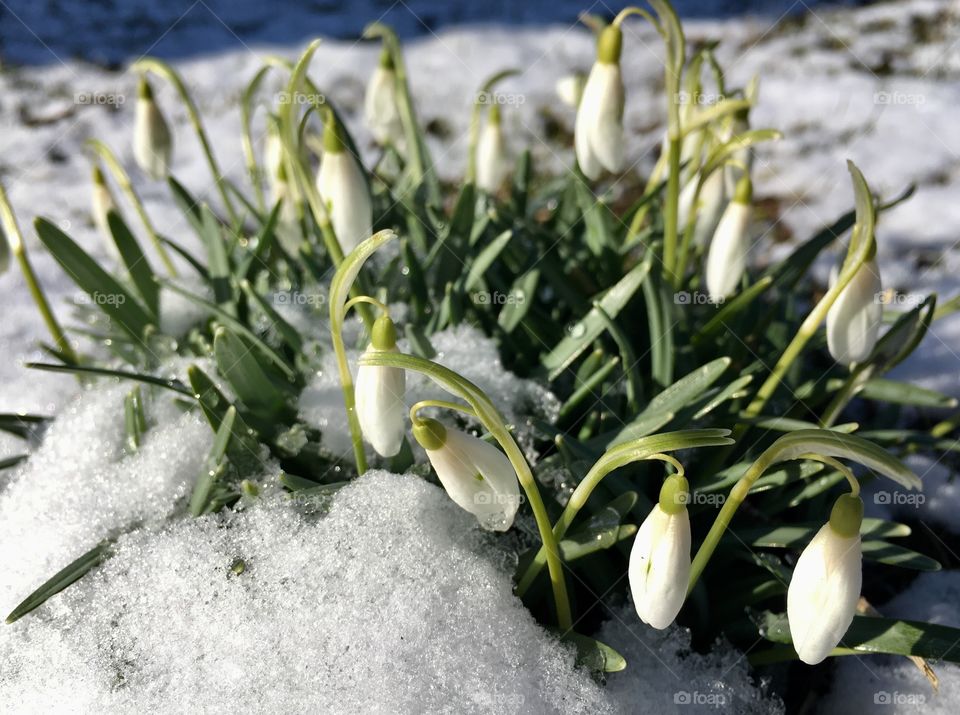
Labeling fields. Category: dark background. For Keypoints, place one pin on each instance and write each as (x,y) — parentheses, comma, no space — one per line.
(111,32)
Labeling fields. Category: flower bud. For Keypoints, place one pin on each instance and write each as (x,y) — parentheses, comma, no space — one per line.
(343,188)
(102,204)
(727,255)
(492,166)
(823,593)
(570,89)
(853,321)
(379,394)
(477,476)
(660,558)
(598,132)
(152,143)
(380,106)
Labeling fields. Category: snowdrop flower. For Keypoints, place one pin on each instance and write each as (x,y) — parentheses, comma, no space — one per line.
(660,558)
(102,205)
(727,255)
(477,476)
(152,143)
(713,199)
(492,166)
(825,587)
(379,394)
(343,188)
(570,89)
(598,132)
(853,321)
(380,106)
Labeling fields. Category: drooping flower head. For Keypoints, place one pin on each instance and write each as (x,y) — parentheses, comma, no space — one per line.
(730,247)
(598,133)
(823,593)
(380,107)
(102,203)
(476,475)
(660,558)
(492,166)
(152,142)
(343,188)
(379,393)
(853,321)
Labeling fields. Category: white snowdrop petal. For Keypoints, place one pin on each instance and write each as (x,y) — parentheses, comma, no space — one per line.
(660,566)
(380,407)
(823,593)
(342,186)
(151,139)
(853,321)
(598,133)
(380,107)
(727,255)
(491,158)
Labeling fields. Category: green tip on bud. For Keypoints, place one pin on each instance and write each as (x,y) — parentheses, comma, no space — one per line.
(333,140)
(249,489)
(744,191)
(144,90)
(847,515)
(386,59)
(384,333)
(674,494)
(609,45)
(98,177)
(494,117)
(429,433)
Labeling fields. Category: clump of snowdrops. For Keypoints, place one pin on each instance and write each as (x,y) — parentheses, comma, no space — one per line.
(699,447)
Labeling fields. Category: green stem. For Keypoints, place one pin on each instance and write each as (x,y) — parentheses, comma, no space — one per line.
(19,248)
(670,209)
(246,112)
(487,413)
(163,69)
(443,404)
(123,181)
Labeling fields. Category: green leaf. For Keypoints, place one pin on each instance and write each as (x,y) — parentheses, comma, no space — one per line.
(584,332)
(903,393)
(142,275)
(244,448)
(522,294)
(214,466)
(23,425)
(895,555)
(592,654)
(485,259)
(799,535)
(104,290)
(262,391)
(168,383)
(871,634)
(68,575)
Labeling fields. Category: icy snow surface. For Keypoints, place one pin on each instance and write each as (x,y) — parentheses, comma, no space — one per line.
(391,602)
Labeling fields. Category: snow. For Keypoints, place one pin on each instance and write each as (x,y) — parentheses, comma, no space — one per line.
(381,604)
(896,684)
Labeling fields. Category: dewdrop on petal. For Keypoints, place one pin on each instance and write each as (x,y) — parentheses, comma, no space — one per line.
(379,394)
(343,188)
(598,133)
(152,143)
(492,165)
(853,321)
(380,107)
(570,89)
(102,204)
(660,557)
(823,593)
(727,255)
(476,475)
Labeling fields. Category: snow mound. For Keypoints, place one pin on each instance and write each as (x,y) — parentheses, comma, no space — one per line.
(385,598)
(895,685)
(83,485)
(464,349)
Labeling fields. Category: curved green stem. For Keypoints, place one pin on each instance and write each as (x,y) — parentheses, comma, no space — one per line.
(442,404)
(652,447)
(161,68)
(123,181)
(250,157)
(487,413)
(368,300)
(19,249)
